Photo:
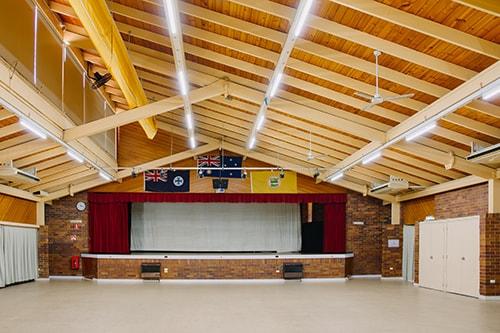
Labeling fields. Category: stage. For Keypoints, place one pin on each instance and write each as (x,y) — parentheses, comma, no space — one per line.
(215,265)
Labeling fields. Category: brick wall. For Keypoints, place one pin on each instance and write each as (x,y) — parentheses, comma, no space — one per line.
(462,202)
(365,241)
(214,268)
(60,232)
(490,256)
(43,251)
(392,258)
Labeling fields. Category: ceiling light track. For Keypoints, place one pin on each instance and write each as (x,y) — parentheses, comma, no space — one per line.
(175,34)
(277,76)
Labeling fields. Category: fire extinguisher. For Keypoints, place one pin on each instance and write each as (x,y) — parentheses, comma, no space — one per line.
(75,263)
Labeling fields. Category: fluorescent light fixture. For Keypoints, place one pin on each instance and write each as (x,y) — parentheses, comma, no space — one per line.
(33,129)
(169,6)
(260,122)
(302,18)
(336,176)
(192,142)
(105,176)
(75,156)
(372,157)
(183,83)
(420,131)
(490,93)
(189,120)
(276,83)
(251,144)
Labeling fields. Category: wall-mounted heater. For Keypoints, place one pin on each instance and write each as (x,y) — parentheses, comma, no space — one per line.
(10,173)
(395,185)
(489,155)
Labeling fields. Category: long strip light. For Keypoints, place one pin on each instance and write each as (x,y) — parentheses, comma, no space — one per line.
(489,94)
(183,83)
(336,176)
(44,134)
(75,156)
(420,131)
(277,76)
(175,33)
(372,157)
(169,8)
(426,125)
(105,176)
(33,128)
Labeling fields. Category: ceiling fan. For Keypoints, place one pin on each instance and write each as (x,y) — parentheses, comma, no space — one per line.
(310,155)
(377,98)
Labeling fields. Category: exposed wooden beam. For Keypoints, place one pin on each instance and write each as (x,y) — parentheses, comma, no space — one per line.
(309,69)
(18,193)
(491,7)
(25,149)
(289,125)
(316,89)
(341,31)
(434,111)
(100,26)
(11,129)
(152,109)
(424,26)
(5,114)
(17,94)
(304,45)
(44,155)
(440,188)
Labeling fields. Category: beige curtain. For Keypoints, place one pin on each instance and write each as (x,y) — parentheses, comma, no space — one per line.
(18,255)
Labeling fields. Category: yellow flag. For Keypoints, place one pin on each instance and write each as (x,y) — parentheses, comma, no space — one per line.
(272,182)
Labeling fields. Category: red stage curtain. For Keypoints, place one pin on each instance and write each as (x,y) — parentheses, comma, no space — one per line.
(334,228)
(108,228)
(216,197)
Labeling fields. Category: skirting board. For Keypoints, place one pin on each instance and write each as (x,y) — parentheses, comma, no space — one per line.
(489,298)
(392,278)
(65,277)
(217,281)
(367,276)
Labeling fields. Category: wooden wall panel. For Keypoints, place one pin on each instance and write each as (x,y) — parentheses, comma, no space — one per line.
(204,185)
(416,210)
(17,210)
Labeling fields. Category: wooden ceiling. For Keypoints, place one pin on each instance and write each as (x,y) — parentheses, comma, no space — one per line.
(241,40)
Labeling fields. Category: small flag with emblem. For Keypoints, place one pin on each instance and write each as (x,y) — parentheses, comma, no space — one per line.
(166,180)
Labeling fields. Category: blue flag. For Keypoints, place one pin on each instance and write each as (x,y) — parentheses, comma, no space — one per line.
(220,162)
(166,180)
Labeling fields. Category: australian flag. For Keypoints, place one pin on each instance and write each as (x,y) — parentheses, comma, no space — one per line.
(166,180)
(220,162)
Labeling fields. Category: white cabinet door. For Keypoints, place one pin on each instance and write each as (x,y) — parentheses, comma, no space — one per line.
(462,265)
(431,251)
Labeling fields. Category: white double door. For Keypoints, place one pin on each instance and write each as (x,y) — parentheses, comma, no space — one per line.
(449,255)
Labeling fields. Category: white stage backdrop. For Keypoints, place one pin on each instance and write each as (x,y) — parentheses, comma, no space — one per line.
(215,227)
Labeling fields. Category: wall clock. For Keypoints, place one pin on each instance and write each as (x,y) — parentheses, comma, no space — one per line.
(80,206)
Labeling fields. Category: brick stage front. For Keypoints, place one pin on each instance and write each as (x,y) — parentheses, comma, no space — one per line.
(215,266)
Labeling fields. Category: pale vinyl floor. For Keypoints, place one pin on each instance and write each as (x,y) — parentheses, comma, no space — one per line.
(352,306)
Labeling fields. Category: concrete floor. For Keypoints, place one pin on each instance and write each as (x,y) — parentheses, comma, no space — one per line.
(352,306)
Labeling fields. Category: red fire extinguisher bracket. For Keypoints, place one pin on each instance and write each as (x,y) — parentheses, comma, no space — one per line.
(75,263)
